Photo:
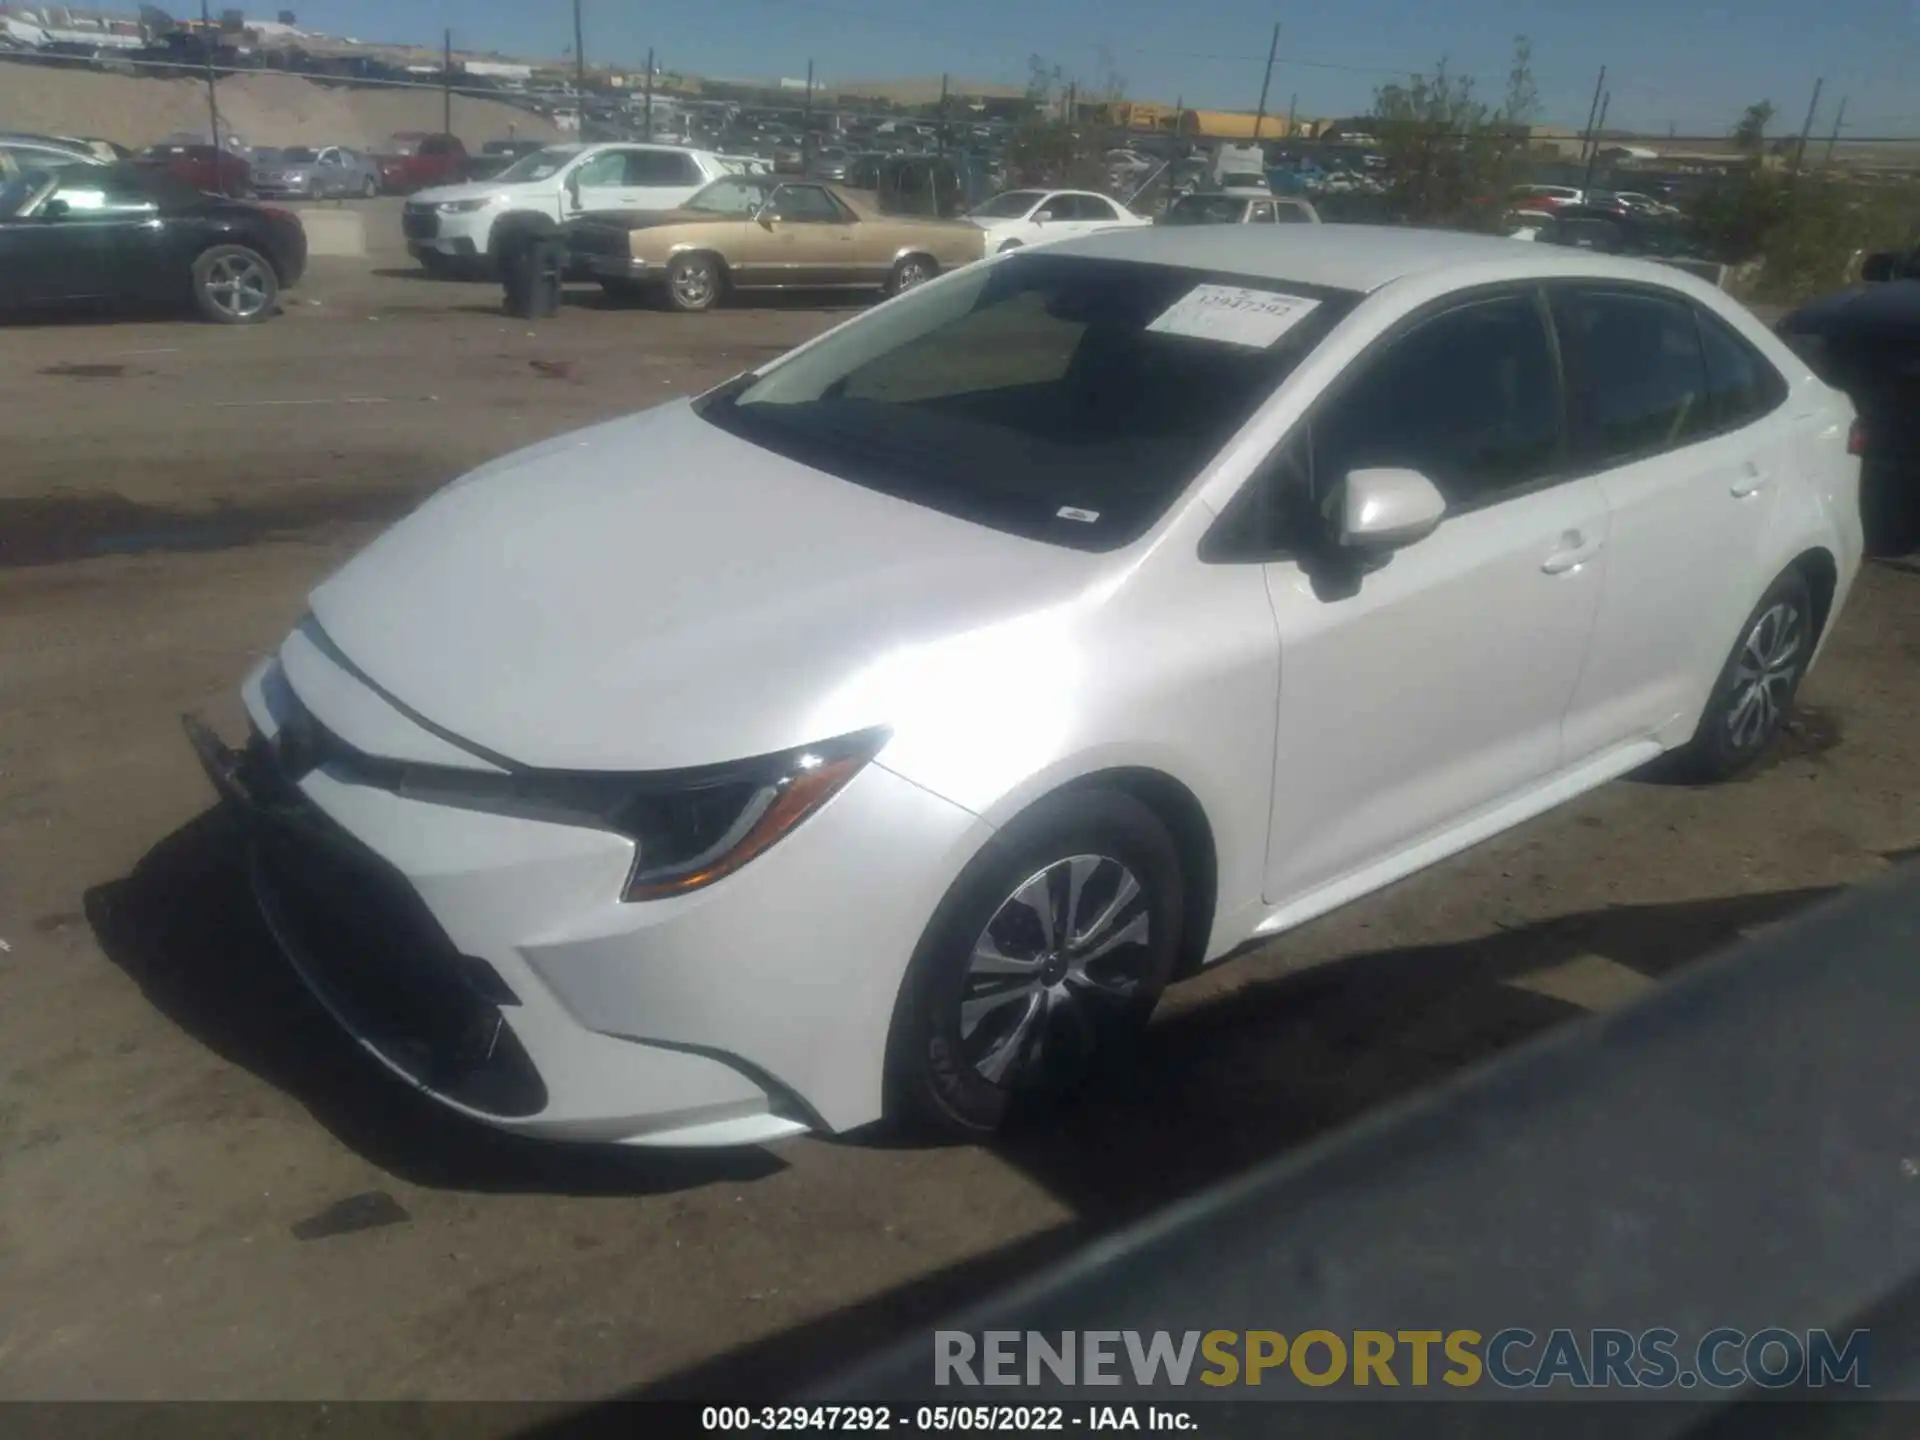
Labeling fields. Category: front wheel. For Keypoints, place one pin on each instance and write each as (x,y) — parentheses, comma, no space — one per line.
(693,283)
(369,188)
(1755,691)
(1053,946)
(233,285)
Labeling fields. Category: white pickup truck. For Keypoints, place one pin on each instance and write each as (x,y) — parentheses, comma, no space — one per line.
(456,228)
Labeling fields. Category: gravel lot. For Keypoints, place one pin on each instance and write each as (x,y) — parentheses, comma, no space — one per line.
(178,1121)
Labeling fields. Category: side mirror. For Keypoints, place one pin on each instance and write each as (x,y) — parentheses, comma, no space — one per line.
(1044,217)
(56,210)
(1386,509)
(1878,266)
(766,216)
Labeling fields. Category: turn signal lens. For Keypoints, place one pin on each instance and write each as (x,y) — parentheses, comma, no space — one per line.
(769,815)
(1857,437)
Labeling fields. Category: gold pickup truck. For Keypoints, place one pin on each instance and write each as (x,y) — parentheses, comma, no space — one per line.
(767,232)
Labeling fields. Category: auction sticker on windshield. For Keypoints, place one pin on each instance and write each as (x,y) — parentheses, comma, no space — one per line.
(1234,315)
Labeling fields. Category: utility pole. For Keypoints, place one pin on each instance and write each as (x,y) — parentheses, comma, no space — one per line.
(1593,155)
(1293,109)
(213,101)
(1800,150)
(1592,111)
(1073,102)
(647,122)
(1839,121)
(806,123)
(579,70)
(1260,115)
(446,85)
(943,114)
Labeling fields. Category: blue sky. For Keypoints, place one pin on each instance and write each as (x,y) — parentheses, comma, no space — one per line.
(1686,65)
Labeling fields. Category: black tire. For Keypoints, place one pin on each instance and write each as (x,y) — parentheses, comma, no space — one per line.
(234,285)
(911,270)
(955,1064)
(369,188)
(1743,714)
(694,283)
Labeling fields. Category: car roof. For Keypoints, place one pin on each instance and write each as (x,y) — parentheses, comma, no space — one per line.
(1343,257)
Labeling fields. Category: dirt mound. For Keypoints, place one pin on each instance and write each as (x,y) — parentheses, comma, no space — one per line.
(260,109)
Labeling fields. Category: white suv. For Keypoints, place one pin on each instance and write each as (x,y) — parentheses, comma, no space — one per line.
(452,225)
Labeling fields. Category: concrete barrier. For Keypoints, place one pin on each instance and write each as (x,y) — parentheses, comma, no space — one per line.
(335,233)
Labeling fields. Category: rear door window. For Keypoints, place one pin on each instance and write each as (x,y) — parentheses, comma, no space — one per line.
(1636,380)
(1742,384)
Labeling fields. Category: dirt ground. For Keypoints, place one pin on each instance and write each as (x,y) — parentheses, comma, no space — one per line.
(206,1192)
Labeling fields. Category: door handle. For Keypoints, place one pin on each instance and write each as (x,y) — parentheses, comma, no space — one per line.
(1574,551)
(1750,479)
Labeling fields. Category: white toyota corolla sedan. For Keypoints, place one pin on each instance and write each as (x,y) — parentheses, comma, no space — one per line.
(886,728)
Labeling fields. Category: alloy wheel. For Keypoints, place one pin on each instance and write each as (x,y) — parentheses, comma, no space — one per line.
(693,282)
(239,285)
(1764,675)
(1069,945)
(912,273)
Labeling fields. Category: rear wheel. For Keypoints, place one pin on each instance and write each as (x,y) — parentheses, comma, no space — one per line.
(909,271)
(1755,692)
(233,285)
(693,283)
(1052,948)
(369,188)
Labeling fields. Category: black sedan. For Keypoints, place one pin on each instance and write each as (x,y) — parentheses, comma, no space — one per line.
(1866,341)
(125,233)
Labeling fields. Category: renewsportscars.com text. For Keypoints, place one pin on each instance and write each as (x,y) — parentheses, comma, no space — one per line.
(1513,1358)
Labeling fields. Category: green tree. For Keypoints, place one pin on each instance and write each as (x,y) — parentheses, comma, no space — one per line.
(1750,134)
(1449,155)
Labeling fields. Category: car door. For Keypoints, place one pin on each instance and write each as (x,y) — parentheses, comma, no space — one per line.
(1092,213)
(598,184)
(807,239)
(101,235)
(33,262)
(1690,478)
(1432,687)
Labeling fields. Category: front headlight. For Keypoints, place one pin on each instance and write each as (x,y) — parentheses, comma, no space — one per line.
(689,828)
(465,207)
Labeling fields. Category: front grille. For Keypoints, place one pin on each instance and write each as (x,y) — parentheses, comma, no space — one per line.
(419,223)
(367,942)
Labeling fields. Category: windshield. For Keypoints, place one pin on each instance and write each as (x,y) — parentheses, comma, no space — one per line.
(1062,398)
(296,155)
(1010,206)
(730,196)
(1206,210)
(541,165)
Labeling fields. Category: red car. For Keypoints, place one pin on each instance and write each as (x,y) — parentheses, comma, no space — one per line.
(413,161)
(218,172)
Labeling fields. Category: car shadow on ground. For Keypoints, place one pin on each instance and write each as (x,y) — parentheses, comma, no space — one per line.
(183,926)
(1243,1077)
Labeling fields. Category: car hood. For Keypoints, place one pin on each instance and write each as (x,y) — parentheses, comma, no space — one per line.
(479,190)
(654,593)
